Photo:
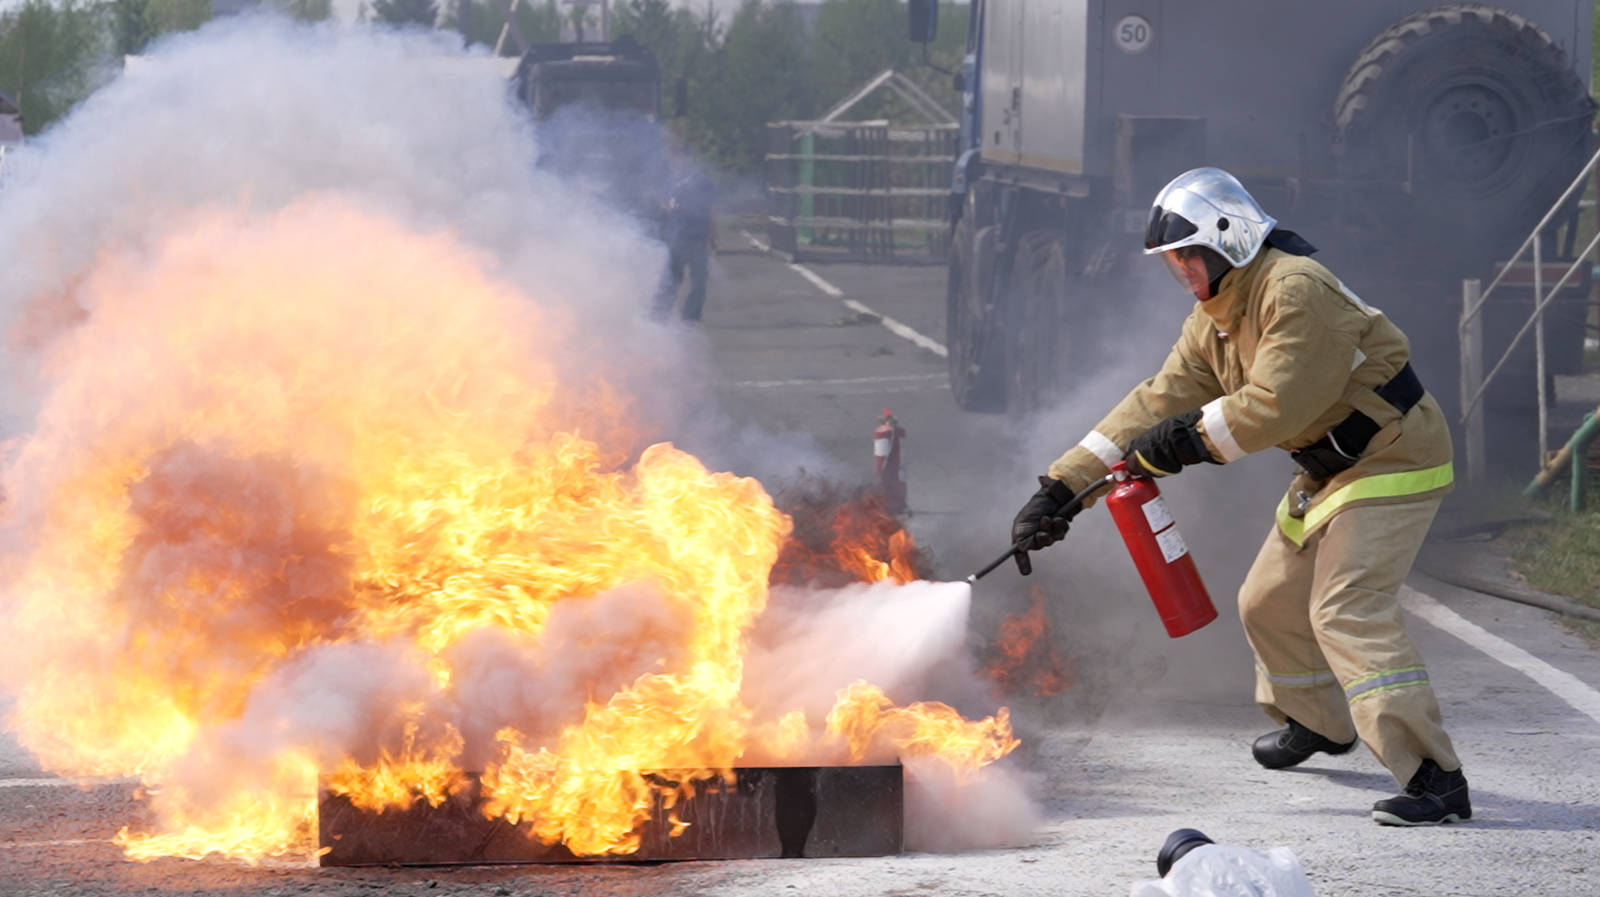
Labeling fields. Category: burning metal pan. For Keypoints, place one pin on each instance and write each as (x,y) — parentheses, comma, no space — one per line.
(807,811)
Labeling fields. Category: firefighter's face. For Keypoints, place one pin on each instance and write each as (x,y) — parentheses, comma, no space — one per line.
(1189,272)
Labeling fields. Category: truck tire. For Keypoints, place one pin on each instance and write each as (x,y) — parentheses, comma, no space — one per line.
(1476,110)
(1034,328)
(974,330)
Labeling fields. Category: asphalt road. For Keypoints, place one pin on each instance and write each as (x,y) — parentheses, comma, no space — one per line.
(1154,734)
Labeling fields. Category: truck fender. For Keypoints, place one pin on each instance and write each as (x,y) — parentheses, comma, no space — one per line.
(969,167)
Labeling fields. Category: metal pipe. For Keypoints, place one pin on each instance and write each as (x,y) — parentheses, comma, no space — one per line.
(1578,445)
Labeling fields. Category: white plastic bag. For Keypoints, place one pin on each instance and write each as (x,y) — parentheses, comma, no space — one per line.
(1220,870)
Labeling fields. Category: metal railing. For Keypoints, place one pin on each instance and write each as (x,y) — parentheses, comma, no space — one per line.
(869,191)
(1473,384)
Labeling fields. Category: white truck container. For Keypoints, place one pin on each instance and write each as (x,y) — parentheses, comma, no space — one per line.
(1415,144)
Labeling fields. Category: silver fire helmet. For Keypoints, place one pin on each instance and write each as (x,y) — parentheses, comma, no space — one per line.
(1208,207)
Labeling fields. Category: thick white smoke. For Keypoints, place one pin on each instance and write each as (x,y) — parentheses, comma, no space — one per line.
(260,120)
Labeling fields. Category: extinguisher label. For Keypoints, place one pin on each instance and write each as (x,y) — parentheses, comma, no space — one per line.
(1157,515)
(1171,543)
(880,448)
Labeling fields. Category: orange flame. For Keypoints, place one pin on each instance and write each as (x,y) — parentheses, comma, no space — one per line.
(843,536)
(273,441)
(1023,657)
(870,723)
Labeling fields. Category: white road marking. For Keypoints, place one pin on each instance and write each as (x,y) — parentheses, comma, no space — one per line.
(1560,683)
(895,327)
(768,384)
(756,241)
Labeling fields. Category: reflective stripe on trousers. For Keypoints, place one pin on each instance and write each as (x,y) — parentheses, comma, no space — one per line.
(1384,680)
(1382,485)
(1309,679)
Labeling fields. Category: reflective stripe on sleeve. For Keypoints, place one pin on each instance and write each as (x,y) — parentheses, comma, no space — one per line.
(1310,679)
(1102,448)
(1217,428)
(1383,485)
(1384,680)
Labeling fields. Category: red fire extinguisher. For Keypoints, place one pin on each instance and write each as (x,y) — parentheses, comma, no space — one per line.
(1158,551)
(886,462)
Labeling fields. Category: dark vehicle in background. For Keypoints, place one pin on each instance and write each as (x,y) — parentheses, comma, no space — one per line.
(1414,144)
(599,109)
(620,76)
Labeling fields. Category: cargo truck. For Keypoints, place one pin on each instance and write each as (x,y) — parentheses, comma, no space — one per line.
(1415,145)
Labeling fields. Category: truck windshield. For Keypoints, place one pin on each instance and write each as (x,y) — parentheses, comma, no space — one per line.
(620,95)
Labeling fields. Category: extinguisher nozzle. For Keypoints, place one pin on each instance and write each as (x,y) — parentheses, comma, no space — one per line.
(1016,551)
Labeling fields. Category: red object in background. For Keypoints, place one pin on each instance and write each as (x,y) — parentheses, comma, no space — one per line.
(886,460)
(1158,551)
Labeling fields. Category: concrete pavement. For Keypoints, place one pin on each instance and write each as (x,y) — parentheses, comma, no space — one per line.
(1155,733)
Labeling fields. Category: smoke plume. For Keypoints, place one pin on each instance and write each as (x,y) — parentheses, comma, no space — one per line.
(330,413)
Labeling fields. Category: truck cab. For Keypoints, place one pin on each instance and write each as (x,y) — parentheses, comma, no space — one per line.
(618,76)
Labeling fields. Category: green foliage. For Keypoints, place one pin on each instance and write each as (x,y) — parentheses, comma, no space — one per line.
(723,85)
(406,12)
(722,80)
(760,74)
(682,42)
(309,10)
(481,21)
(1562,556)
(855,40)
(52,55)
(167,16)
(133,26)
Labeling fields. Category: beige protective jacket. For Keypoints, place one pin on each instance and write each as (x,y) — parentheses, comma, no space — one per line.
(1280,355)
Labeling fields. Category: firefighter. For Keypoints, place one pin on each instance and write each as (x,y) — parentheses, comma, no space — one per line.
(1279,352)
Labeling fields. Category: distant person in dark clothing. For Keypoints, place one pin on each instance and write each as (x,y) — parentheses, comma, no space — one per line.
(689,234)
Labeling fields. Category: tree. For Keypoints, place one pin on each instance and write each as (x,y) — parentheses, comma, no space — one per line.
(681,41)
(855,40)
(52,55)
(310,10)
(481,21)
(406,12)
(132,26)
(760,73)
(167,16)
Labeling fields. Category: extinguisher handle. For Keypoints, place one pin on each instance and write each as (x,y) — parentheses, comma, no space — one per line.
(1024,564)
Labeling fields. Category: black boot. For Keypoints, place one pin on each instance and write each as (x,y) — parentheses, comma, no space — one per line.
(1431,797)
(1293,745)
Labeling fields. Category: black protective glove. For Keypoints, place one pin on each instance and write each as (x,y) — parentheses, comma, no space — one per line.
(1168,447)
(1042,521)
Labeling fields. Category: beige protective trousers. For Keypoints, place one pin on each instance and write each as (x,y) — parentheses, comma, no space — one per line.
(1331,647)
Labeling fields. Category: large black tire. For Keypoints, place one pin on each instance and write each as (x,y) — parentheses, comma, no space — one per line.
(1478,114)
(1036,343)
(1476,110)
(974,332)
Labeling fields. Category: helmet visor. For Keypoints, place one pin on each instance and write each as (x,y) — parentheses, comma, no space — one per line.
(1191,277)
(1166,227)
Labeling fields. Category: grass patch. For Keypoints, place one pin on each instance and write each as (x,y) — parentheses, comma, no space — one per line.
(1561,556)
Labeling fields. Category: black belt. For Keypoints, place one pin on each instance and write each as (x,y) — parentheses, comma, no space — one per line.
(1339,451)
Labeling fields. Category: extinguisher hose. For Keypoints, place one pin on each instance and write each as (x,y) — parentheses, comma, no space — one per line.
(1021,553)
